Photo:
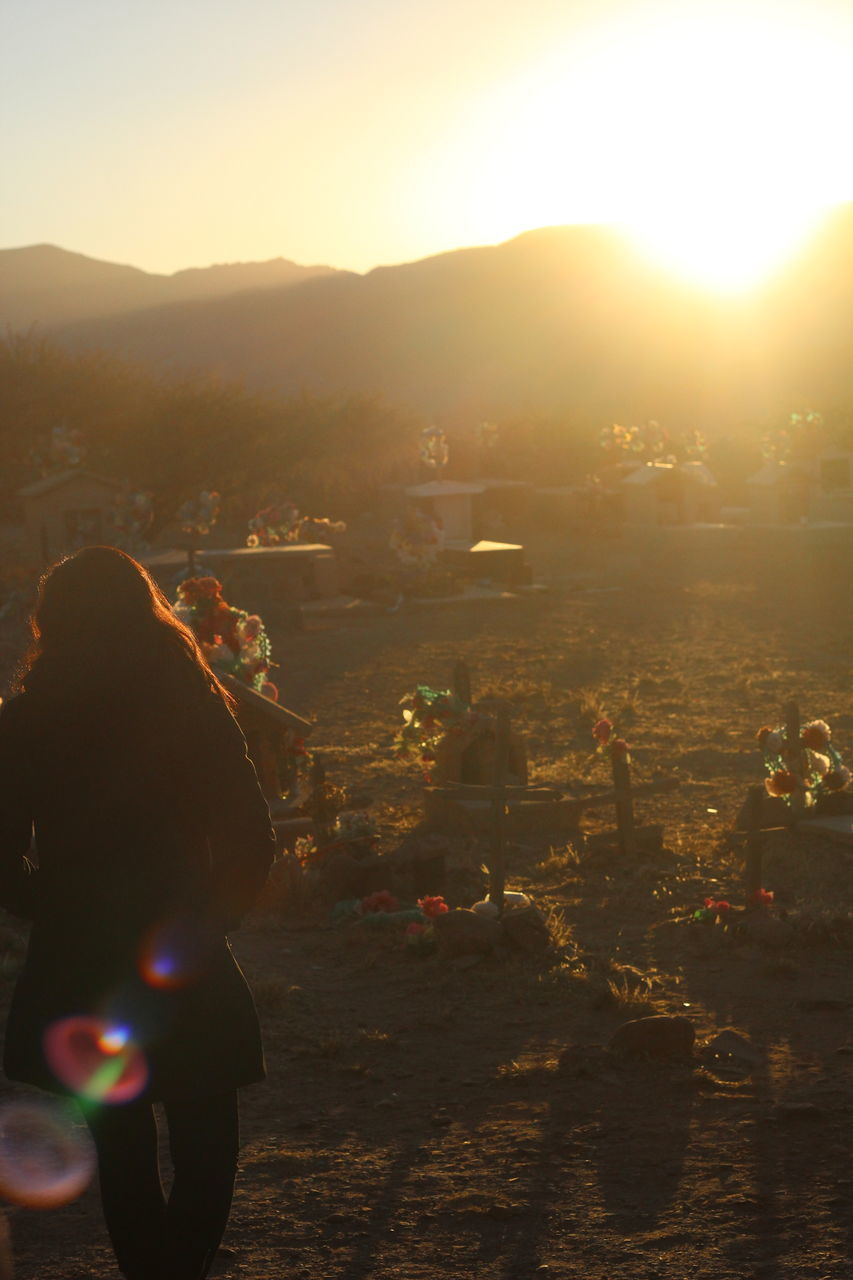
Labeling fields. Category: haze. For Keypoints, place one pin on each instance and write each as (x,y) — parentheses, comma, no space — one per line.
(170,135)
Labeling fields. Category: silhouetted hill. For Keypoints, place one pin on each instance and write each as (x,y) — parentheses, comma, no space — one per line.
(42,284)
(565,318)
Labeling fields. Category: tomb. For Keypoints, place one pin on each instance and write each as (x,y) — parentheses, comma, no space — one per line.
(265,578)
(68,510)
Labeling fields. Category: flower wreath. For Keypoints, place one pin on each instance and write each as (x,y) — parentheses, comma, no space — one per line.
(233,641)
(823,770)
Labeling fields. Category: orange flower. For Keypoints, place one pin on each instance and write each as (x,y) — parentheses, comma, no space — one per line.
(781,783)
(816,735)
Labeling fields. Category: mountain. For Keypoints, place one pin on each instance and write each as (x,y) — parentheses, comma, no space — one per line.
(565,319)
(42,284)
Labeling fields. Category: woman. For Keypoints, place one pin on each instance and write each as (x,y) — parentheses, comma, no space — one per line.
(121,754)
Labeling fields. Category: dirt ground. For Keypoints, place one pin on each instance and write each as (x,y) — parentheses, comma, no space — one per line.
(426,1120)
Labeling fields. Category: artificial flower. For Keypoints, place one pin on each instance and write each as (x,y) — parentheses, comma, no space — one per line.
(383,900)
(781,783)
(602,731)
(816,735)
(431,907)
(762,898)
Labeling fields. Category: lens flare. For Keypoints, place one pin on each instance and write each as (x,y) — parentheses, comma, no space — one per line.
(95,1059)
(174,954)
(44,1160)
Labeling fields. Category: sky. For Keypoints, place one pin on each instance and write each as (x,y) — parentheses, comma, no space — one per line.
(177,133)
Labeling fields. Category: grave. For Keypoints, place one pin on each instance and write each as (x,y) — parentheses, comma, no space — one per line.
(264,577)
(68,510)
(481,785)
(451,504)
(810,807)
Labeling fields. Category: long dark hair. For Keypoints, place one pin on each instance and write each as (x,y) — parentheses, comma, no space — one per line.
(102,626)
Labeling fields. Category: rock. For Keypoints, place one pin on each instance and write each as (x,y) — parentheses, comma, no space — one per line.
(660,1036)
(463,933)
(732,1045)
(526,929)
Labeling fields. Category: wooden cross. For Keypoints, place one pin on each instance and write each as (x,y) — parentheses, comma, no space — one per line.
(626,831)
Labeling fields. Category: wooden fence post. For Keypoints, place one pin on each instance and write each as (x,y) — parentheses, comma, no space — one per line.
(624,802)
(497,862)
(754,841)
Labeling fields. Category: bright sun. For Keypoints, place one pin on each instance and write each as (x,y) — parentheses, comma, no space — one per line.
(716,135)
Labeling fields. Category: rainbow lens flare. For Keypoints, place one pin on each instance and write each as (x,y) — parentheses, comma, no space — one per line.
(44,1160)
(174,954)
(96,1059)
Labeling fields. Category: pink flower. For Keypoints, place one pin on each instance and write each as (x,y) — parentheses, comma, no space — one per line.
(762,898)
(433,906)
(602,731)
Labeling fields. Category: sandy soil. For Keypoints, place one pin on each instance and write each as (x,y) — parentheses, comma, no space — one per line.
(425,1120)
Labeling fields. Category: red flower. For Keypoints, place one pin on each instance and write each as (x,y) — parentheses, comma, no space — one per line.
(433,906)
(602,731)
(781,783)
(719,908)
(762,898)
(381,901)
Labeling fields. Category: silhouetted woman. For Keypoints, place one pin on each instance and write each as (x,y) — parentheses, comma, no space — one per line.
(121,754)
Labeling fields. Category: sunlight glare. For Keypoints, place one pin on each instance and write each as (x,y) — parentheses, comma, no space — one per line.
(714,135)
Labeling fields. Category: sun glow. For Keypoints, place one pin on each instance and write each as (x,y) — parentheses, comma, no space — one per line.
(714,135)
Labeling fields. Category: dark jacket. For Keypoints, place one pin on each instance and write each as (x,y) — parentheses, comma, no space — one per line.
(152,839)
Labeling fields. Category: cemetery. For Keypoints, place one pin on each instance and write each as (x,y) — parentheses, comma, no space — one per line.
(562,894)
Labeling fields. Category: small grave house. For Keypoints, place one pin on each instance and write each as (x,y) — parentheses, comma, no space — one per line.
(779,493)
(832,493)
(670,493)
(68,510)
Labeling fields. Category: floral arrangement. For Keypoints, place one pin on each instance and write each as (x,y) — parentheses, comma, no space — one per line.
(234,641)
(417,538)
(712,911)
(813,765)
(133,512)
(198,515)
(803,434)
(603,732)
(428,716)
(434,449)
(62,448)
(487,435)
(282,522)
(719,911)
(652,442)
